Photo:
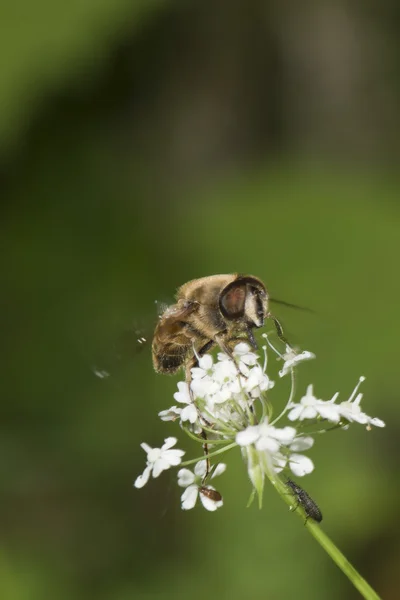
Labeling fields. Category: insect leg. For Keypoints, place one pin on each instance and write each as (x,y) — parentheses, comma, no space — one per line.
(298,502)
(279,329)
(251,338)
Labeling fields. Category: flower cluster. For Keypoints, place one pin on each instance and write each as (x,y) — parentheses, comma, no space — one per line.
(226,406)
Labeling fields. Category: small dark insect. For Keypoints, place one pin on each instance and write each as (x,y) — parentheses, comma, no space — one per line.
(210,493)
(303,499)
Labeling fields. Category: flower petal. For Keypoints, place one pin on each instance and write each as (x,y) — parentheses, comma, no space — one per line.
(160,465)
(183,396)
(209,504)
(168,443)
(377,422)
(173,457)
(351,412)
(170,414)
(143,478)
(189,413)
(185,477)
(189,497)
(329,411)
(285,435)
(241,348)
(154,454)
(197,373)
(146,447)
(200,468)
(206,362)
(267,443)
(225,371)
(309,412)
(279,462)
(219,469)
(201,387)
(293,360)
(302,443)
(295,413)
(301,465)
(248,436)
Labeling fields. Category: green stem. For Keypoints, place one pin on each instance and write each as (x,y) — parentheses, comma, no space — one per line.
(359,582)
(210,455)
(336,555)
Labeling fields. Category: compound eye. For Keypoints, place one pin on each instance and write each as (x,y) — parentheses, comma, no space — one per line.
(232,301)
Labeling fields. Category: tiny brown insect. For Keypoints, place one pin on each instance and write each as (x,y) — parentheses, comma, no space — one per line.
(210,493)
(216,310)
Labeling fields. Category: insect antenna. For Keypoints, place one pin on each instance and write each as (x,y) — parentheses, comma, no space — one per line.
(290,305)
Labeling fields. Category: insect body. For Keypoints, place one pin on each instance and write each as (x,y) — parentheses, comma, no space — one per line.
(210,493)
(303,499)
(216,310)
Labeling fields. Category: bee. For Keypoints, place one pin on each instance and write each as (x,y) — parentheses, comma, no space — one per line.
(303,499)
(216,310)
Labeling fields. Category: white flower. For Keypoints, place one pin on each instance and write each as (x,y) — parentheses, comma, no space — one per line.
(302,443)
(227,380)
(279,444)
(248,436)
(265,437)
(257,382)
(351,409)
(248,376)
(189,413)
(329,410)
(227,400)
(377,422)
(204,369)
(204,387)
(300,465)
(210,498)
(306,409)
(203,382)
(292,359)
(244,355)
(171,414)
(311,407)
(159,460)
(225,370)
(183,396)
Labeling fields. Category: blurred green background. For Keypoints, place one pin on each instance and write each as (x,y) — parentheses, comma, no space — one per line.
(146,143)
